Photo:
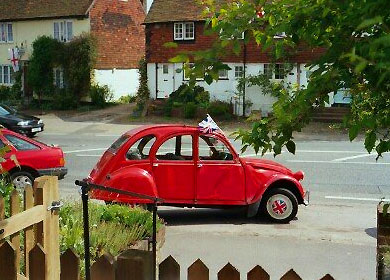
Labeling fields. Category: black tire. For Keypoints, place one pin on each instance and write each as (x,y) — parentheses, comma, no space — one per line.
(279,205)
(20,178)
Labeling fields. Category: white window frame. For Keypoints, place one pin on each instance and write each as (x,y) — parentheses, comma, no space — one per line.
(274,75)
(280,71)
(5,27)
(64,32)
(238,71)
(223,74)
(180,31)
(58,71)
(2,74)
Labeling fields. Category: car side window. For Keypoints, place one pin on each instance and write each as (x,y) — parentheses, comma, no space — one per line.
(176,148)
(211,148)
(20,144)
(141,148)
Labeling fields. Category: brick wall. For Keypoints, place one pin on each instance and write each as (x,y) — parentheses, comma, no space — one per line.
(159,33)
(117,25)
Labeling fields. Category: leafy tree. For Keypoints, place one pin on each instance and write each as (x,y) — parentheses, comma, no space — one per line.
(354,37)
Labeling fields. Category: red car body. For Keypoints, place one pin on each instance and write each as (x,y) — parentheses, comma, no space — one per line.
(192,175)
(34,158)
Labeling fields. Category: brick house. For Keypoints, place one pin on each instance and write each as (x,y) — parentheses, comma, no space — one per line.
(116,24)
(164,23)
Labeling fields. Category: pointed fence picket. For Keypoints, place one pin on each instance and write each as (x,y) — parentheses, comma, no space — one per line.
(42,260)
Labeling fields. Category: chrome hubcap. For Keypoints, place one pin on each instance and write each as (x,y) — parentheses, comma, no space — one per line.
(279,206)
(21,181)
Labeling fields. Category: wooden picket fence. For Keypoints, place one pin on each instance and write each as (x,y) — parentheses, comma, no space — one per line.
(42,261)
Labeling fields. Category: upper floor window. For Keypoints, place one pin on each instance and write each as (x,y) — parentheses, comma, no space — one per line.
(184,31)
(238,72)
(6,33)
(63,31)
(6,75)
(276,71)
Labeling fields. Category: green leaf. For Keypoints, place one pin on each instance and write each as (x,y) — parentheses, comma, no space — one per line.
(353,132)
(291,147)
(179,58)
(277,149)
(208,79)
(370,22)
(370,140)
(170,45)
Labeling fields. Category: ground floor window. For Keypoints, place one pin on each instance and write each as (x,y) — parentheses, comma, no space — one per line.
(6,77)
(58,77)
(239,71)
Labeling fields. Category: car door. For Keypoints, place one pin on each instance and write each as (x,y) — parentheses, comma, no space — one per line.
(174,169)
(220,176)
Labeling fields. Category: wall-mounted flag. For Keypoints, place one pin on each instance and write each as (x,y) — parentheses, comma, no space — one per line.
(14,57)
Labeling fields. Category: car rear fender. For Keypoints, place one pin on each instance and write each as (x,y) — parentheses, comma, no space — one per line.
(282,181)
(133,179)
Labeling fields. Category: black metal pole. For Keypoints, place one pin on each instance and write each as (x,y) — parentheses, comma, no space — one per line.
(84,197)
(154,239)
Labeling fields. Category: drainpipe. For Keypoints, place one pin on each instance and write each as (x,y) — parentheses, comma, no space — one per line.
(156,80)
(244,89)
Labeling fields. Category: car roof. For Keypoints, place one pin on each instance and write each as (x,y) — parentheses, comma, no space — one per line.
(166,128)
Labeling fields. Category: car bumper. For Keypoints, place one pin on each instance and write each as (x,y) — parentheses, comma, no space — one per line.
(60,172)
(29,129)
(306,198)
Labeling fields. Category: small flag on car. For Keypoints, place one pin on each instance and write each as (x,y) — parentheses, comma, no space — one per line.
(208,125)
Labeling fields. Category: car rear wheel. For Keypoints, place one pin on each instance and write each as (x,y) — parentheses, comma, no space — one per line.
(280,205)
(22,178)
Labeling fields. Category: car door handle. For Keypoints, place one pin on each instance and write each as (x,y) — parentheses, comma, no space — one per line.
(155,164)
(200,165)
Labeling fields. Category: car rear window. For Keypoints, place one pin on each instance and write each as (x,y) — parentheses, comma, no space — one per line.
(20,144)
(118,143)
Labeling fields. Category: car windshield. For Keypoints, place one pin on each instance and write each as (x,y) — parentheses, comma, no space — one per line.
(4,110)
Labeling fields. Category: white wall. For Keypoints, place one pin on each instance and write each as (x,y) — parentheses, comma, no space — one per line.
(120,81)
(225,90)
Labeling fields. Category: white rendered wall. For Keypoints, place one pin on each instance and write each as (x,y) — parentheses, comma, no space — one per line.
(120,81)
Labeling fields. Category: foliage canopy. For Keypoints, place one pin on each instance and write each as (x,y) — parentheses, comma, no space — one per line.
(354,37)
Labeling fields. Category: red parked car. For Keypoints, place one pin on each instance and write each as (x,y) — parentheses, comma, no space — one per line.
(188,168)
(35,158)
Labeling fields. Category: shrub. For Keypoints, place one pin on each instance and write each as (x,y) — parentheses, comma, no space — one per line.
(100,95)
(220,110)
(190,110)
(61,101)
(127,99)
(113,228)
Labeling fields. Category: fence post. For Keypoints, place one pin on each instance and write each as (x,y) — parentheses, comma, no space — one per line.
(228,272)
(258,273)
(291,275)
(103,268)
(28,232)
(198,271)
(7,261)
(38,263)
(15,238)
(2,213)
(169,269)
(70,266)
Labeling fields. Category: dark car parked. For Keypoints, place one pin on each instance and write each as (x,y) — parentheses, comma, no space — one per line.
(18,122)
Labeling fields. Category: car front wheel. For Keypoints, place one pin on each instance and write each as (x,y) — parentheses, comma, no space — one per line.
(280,205)
(21,178)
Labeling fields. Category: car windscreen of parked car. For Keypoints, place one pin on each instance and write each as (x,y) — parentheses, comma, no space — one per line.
(20,144)
(3,111)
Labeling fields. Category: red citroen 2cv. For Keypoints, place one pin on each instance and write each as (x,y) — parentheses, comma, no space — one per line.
(186,167)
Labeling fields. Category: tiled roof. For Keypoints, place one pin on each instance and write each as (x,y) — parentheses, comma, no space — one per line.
(32,9)
(174,10)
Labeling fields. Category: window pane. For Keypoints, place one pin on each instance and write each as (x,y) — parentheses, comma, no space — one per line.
(238,71)
(21,144)
(56,31)
(165,69)
(178,31)
(176,148)
(1,75)
(69,29)
(6,75)
(223,74)
(118,143)
(268,71)
(141,149)
(211,148)
(62,31)
(10,33)
(279,71)
(3,33)
(189,30)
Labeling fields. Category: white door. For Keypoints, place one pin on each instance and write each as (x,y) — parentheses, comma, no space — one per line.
(165,80)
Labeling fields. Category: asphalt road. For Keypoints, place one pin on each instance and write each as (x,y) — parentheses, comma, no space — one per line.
(336,234)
